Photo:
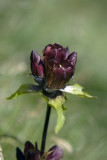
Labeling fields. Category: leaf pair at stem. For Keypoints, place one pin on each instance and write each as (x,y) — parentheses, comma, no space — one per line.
(56,103)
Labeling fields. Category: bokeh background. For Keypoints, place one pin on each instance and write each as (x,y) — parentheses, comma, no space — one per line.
(82,26)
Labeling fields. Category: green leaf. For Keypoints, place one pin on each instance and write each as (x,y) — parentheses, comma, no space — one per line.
(24,89)
(76,89)
(57,104)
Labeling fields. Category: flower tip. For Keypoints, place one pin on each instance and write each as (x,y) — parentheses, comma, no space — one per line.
(55,153)
(19,154)
(28,146)
(37,67)
(56,45)
(74,53)
(66,48)
(73,57)
(34,56)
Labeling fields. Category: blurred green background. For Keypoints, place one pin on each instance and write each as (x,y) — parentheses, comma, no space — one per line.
(82,26)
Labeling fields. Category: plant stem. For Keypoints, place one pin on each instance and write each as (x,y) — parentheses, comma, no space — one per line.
(45,129)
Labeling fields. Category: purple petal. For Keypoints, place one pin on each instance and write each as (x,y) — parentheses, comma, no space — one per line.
(73,58)
(19,154)
(57,46)
(55,153)
(37,67)
(67,53)
(47,50)
(69,73)
(31,152)
(28,146)
(57,79)
(60,73)
(51,66)
(40,70)
(52,54)
(51,48)
(30,156)
(34,57)
(66,64)
(61,54)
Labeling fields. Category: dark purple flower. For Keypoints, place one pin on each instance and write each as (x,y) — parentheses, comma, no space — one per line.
(57,67)
(37,67)
(55,153)
(31,152)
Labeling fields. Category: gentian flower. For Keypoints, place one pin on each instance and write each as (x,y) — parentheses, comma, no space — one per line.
(57,66)
(31,152)
(37,67)
(54,153)
(51,73)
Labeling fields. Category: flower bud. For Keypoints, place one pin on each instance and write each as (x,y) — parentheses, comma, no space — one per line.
(59,65)
(19,154)
(31,152)
(37,67)
(55,153)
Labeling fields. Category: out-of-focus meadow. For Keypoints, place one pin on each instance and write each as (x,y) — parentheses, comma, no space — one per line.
(82,26)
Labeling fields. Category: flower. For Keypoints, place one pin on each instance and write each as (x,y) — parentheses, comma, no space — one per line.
(31,152)
(55,153)
(37,67)
(57,66)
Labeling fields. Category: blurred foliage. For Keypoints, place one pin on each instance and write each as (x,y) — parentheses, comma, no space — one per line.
(27,25)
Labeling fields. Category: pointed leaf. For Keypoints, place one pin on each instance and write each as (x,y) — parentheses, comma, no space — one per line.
(24,89)
(76,89)
(57,104)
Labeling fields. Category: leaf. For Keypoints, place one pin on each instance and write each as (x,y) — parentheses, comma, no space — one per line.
(24,89)
(77,89)
(57,104)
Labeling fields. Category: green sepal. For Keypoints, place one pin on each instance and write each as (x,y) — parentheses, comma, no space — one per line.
(24,89)
(58,104)
(77,89)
